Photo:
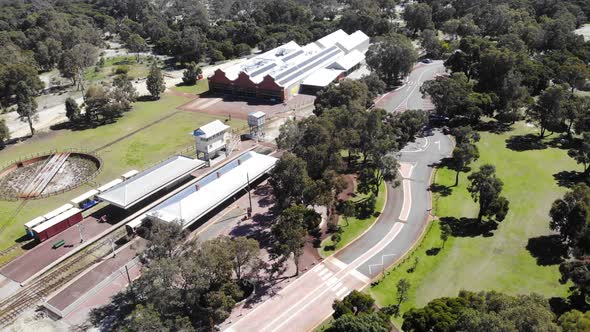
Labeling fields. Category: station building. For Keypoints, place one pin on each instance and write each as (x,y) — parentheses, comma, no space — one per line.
(283,72)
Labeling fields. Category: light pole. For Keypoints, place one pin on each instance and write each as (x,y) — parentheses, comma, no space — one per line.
(249,196)
(81,230)
(113,247)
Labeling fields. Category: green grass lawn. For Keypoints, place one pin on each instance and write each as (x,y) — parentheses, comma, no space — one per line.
(499,262)
(355,226)
(136,69)
(201,87)
(138,151)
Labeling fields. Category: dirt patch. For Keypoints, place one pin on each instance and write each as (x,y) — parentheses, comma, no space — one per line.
(77,169)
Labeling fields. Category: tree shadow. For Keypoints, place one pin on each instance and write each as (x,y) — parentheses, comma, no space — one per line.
(525,143)
(547,249)
(433,251)
(146,98)
(469,227)
(569,179)
(563,142)
(111,317)
(441,189)
(495,127)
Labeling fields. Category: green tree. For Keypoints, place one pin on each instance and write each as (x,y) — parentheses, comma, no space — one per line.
(445,232)
(289,181)
(449,94)
(348,210)
(74,62)
(463,155)
(485,189)
(26,105)
(569,216)
(11,75)
(355,303)
(391,57)
(4,132)
(431,44)
(575,321)
(155,81)
(418,17)
(146,319)
(581,153)
(289,234)
(244,253)
(547,112)
(369,322)
(403,287)
(136,44)
(574,72)
(191,74)
(72,110)
(351,94)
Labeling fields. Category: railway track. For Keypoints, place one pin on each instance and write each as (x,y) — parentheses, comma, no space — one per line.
(36,291)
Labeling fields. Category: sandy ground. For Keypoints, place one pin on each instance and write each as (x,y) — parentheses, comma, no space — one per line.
(52,109)
(584,31)
(32,321)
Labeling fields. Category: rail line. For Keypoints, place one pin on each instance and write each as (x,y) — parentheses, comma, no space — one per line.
(36,291)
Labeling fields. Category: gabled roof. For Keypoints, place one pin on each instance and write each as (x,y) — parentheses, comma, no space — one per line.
(348,61)
(192,203)
(210,129)
(322,77)
(142,185)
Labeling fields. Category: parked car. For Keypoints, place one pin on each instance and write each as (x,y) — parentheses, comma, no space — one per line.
(427,60)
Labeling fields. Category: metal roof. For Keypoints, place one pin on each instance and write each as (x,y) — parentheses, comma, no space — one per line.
(84,196)
(348,61)
(192,203)
(211,129)
(57,211)
(257,114)
(322,77)
(109,185)
(55,220)
(34,222)
(147,182)
(129,174)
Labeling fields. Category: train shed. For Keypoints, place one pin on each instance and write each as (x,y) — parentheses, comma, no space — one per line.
(196,201)
(148,182)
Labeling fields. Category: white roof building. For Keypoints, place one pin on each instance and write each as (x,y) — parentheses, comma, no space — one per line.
(348,61)
(57,211)
(145,183)
(322,77)
(109,185)
(196,201)
(84,196)
(211,129)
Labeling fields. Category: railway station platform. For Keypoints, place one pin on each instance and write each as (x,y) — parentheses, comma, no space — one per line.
(96,286)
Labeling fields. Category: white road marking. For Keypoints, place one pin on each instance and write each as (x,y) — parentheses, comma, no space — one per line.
(326,276)
(337,286)
(382,262)
(407,202)
(332,281)
(341,293)
(360,276)
(323,272)
(426,144)
(336,262)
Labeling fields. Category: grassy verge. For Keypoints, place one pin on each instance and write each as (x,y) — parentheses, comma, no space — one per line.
(501,261)
(147,146)
(201,87)
(355,226)
(135,69)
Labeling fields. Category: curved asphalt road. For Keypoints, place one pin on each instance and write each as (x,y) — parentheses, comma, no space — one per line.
(307,302)
(408,96)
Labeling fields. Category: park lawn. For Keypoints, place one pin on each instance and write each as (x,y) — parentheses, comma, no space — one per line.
(500,262)
(142,149)
(136,69)
(201,86)
(385,291)
(355,226)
